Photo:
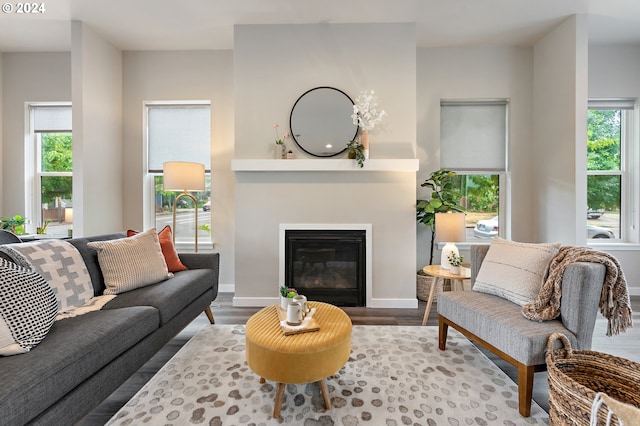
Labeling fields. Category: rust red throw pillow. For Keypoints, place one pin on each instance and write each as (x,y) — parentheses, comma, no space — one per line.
(168,250)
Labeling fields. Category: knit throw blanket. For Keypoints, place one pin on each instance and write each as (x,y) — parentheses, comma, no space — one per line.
(614,304)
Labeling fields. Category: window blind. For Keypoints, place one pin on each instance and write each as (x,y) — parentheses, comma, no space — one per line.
(178,133)
(473,135)
(617,104)
(49,119)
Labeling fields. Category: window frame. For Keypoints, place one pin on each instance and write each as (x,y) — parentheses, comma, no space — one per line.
(149,205)
(33,164)
(629,174)
(504,199)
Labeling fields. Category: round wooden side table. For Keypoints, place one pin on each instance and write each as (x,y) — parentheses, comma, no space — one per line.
(298,358)
(440,275)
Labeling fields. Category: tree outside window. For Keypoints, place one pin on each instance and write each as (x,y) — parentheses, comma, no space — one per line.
(604,171)
(56,181)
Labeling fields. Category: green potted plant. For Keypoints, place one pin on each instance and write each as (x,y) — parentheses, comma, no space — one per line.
(444,198)
(356,152)
(455,261)
(286,294)
(14,224)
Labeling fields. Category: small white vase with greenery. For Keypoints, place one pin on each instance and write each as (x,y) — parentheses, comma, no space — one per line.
(456,262)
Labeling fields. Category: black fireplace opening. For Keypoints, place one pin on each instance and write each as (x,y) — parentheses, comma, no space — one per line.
(327,265)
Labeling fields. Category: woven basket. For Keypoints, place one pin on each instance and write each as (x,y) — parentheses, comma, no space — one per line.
(576,376)
(423,286)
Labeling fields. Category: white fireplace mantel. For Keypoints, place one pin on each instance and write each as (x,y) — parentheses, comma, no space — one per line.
(324,164)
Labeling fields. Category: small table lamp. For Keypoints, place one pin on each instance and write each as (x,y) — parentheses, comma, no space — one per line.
(184,176)
(450,229)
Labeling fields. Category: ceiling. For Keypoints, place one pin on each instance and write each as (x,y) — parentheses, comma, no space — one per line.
(208,24)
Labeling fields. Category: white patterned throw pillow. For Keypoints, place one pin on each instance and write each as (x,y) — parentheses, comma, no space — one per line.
(131,262)
(28,308)
(515,271)
(60,264)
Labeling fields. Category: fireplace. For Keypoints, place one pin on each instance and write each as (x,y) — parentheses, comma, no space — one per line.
(327,265)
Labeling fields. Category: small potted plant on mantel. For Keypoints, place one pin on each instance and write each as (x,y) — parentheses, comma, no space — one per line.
(356,152)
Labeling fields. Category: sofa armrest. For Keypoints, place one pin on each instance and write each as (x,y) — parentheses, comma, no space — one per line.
(581,289)
(206,260)
(478,253)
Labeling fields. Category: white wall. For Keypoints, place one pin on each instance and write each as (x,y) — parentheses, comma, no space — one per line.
(477,73)
(184,75)
(97,133)
(26,77)
(559,129)
(273,65)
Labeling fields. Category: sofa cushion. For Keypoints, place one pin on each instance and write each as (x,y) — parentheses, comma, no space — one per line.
(61,265)
(168,249)
(75,349)
(515,271)
(28,308)
(169,297)
(131,262)
(500,322)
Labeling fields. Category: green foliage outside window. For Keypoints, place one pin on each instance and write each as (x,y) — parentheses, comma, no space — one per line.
(603,154)
(56,156)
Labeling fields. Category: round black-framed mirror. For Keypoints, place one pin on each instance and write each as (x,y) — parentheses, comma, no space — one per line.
(321,123)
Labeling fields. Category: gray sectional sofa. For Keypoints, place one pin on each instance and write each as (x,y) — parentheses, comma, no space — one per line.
(85,358)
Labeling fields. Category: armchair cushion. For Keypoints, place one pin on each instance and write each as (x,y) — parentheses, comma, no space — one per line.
(515,271)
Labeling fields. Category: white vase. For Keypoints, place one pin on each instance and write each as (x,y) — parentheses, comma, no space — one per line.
(284,302)
(455,270)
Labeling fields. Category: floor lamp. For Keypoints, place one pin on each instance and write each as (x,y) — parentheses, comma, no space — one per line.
(450,229)
(183,176)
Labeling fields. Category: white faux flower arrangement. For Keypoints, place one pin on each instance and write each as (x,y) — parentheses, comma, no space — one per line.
(365,110)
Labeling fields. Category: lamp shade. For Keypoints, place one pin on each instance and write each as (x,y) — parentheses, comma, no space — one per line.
(183,176)
(68,215)
(450,227)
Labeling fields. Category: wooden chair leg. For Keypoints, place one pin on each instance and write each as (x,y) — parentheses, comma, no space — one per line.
(443,329)
(525,388)
(209,315)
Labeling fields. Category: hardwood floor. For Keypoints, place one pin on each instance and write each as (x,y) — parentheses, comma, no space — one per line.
(626,345)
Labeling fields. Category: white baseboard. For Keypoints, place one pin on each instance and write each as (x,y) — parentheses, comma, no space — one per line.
(394,303)
(254,302)
(375,303)
(226,288)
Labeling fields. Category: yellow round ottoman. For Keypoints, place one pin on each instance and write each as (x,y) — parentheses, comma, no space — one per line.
(298,358)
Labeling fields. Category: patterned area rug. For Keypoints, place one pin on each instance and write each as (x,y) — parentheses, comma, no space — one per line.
(395,376)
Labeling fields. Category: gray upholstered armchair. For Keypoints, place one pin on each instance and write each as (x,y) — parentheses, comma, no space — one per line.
(498,324)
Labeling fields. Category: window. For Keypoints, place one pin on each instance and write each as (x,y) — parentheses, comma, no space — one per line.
(50,167)
(179,131)
(609,153)
(473,143)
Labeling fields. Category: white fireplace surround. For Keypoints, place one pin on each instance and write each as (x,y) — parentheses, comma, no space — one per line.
(367,227)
